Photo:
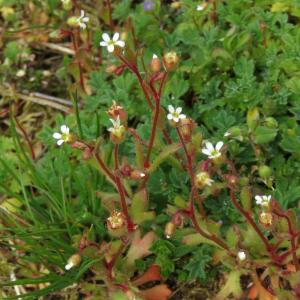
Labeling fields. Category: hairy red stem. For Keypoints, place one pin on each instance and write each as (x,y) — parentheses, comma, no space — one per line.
(292,235)
(104,167)
(247,216)
(130,225)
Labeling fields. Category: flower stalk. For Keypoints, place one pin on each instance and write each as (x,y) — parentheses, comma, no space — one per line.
(130,225)
(247,216)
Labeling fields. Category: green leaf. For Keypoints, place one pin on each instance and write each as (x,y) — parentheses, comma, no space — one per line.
(263,134)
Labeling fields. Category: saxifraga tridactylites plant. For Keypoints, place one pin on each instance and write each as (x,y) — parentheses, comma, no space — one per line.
(269,244)
(265,247)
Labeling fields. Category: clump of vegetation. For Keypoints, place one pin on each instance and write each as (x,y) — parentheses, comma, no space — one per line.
(174,158)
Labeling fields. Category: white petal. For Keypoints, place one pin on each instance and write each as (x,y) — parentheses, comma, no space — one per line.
(85,19)
(206,151)
(182,116)
(269,197)
(105,37)
(56,135)
(200,7)
(154,56)
(258,198)
(227,133)
(82,25)
(59,142)
(103,44)
(118,122)
(110,129)
(82,13)
(209,146)
(120,44)
(68,266)
(175,119)
(169,116)
(219,146)
(113,122)
(179,110)
(110,48)
(116,36)
(63,128)
(171,108)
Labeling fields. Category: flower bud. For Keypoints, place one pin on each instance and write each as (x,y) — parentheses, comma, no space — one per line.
(234,132)
(137,175)
(176,5)
(271,122)
(203,179)
(116,224)
(169,229)
(67,4)
(111,69)
(118,136)
(73,21)
(264,171)
(116,110)
(171,61)
(266,219)
(186,128)
(252,118)
(7,12)
(155,64)
(73,261)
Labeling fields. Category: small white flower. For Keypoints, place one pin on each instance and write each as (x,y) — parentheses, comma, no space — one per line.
(82,20)
(73,261)
(117,128)
(175,114)
(203,178)
(263,200)
(62,137)
(242,255)
(154,56)
(69,266)
(111,43)
(21,73)
(200,7)
(142,175)
(211,151)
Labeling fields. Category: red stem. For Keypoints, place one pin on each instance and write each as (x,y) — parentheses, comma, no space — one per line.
(211,237)
(104,167)
(26,138)
(140,79)
(247,216)
(111,23)
(191,173)
(292,234)
(153,132)
(130,225)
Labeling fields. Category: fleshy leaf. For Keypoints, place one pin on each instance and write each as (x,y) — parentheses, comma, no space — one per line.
(140,247)
(161,292)
(152,274)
